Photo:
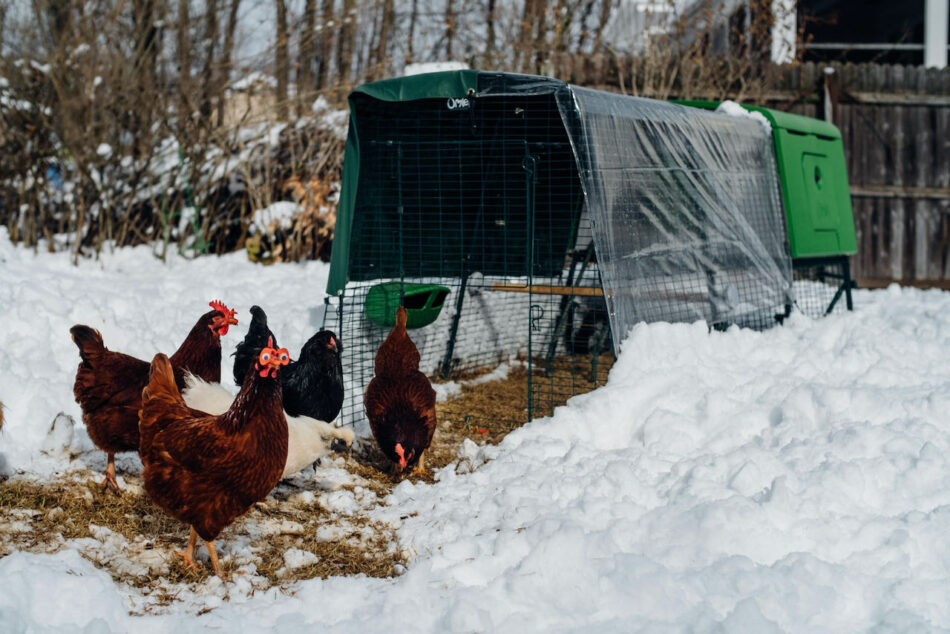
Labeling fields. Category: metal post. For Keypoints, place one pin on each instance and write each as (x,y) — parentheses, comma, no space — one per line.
(446,367)
(528,163)
(936,17)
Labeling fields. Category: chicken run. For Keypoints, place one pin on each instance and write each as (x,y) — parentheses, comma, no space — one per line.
(528,224)
(497,236)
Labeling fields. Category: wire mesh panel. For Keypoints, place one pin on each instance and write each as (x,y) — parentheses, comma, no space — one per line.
(485,203)
(822,285)
(687,213)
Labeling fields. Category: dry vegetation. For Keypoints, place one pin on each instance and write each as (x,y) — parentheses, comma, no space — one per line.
(140,122)
(135,541)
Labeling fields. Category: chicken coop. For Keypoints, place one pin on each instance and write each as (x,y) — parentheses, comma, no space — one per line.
(528,224)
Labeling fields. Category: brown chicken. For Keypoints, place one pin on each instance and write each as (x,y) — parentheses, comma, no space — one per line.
(400,401)
(109,384)
(207,470)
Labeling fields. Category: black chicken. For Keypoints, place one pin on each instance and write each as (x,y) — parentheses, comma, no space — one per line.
(313,383)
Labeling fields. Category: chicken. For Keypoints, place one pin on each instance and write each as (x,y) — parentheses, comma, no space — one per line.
(109,384)
(400,401)
(207,470)
(308,439)
(313,384)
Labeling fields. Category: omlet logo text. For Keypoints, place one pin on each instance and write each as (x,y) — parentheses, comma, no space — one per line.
(458,104)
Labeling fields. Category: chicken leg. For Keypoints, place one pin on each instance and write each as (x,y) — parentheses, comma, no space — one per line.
(110,482)
(188,556)
(213,555)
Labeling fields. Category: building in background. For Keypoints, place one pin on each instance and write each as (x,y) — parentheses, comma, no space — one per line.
(911,32)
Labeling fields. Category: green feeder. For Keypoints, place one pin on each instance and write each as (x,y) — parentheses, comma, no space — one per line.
(423,303)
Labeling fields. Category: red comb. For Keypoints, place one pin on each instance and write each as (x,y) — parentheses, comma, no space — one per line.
(219,306)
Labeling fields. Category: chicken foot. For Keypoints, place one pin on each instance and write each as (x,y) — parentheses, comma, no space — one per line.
(110,481)
(188,556)
(420,468)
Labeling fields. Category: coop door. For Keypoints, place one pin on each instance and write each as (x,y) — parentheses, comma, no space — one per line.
(820,192)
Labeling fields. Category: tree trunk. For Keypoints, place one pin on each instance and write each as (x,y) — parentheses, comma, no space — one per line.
(326,41)
(207,73)
(308,52)
(184,64)
(413,17)
(449,27)
(601,25)
(345,42)
(587,9)
(490,32)
(385,29)
(282,62)
(226,63)
(145,60)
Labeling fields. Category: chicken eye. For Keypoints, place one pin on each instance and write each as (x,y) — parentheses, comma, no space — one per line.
(284,357)
(265,357)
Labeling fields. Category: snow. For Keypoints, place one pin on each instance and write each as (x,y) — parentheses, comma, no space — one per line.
(275,215)
(732,109)
(785,481)
(433,67)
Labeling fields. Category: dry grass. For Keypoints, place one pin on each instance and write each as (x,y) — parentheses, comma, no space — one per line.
(70,509)
(487,412)
(40,517)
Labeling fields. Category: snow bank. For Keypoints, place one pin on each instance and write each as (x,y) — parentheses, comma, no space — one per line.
(141,306)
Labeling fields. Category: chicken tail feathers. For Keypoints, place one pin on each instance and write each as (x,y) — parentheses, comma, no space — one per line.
(89,342)
(256,338)
(161,401)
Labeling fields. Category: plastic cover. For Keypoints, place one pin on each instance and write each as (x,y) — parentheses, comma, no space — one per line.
(685,210)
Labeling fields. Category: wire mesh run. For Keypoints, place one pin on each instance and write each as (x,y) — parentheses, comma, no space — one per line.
(472,220)
(822,286)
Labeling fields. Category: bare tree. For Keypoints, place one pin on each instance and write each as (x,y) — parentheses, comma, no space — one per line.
(326,40)
(449,27)
(227,64)
(282,61)
(345,42)
(183,42)
(208,75)
(306,81)
(490,9)
(413,18)
(386,26)
(605,7)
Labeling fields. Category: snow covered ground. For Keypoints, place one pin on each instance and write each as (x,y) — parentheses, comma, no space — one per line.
(795,480)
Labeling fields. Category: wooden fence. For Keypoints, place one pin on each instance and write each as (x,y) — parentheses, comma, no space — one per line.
(895,122)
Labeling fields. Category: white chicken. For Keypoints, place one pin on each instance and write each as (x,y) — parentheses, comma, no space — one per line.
(308,439)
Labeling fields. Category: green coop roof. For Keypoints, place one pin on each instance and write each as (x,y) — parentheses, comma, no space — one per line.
(454,84)
(444,84)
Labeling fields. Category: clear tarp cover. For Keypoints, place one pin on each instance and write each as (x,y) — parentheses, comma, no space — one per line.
(685,207)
